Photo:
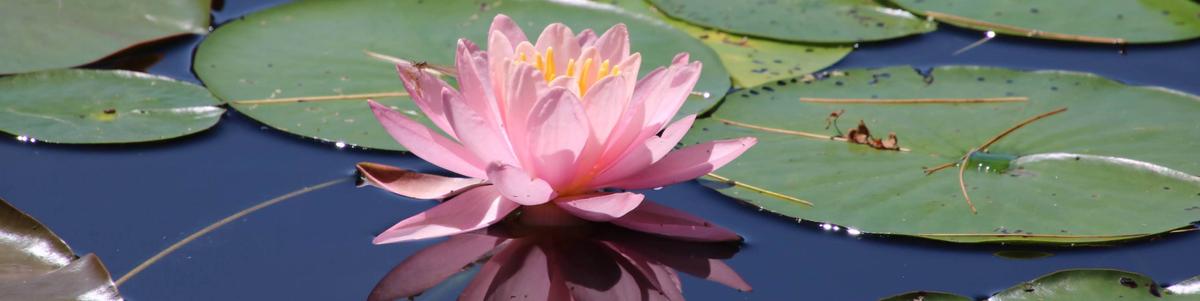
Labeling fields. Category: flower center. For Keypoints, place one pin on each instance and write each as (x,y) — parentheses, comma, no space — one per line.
(586,72)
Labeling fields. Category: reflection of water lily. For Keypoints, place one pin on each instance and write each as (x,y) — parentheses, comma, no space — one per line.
(549,125)
(562,263)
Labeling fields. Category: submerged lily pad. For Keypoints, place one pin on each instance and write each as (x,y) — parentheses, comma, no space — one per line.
(41,35)
(1089,284)
(1119,164)
(35,264)
(103,106)
(820,21)
(316,48)
(752,61)
(1144,21)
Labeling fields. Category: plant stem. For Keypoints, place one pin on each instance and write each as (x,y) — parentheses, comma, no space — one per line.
(318,98)
(758,190)
(145,264)
(897,101)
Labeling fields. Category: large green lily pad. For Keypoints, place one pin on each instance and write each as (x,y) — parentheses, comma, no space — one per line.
(1143,21)
(926,296)
(1119,164)
(820,21)
(752,61)
(35,264)
(1087,284)
(316,48)
(41,35)
(103,106)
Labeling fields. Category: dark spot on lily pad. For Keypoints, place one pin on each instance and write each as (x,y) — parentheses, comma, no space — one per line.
(1125,281)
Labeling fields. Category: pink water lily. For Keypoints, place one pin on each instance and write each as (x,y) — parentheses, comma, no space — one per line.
(552,128)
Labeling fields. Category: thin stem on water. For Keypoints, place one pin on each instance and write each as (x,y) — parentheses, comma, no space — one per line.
(962,162)
(758,189)
(962,184)
(994,139)
(909,101)
(1027,31)
(145,264)
(363,96)
(788,132)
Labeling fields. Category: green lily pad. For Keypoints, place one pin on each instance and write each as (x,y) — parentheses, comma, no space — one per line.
(316,48)
(1084,284)
(41,35)
(819,21)
(35,264)
(103,106)
(1119,164)
(752,61)
(926,296)
(1145,21)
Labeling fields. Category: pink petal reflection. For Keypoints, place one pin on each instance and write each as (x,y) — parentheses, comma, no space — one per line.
(432,265)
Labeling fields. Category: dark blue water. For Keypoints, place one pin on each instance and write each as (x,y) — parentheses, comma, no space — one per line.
(125,203)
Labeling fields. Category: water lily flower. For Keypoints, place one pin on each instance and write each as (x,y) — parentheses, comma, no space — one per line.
(561,263)
(556,129)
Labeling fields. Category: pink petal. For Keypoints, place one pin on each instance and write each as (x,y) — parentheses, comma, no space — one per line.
(605,102)
(500,51)
(657,219)
(649,152)
(592,74)
(680,59)
(629,70)
(432,265)
(677,87)
(566,46)
(426,91)
(517,186)
(659,95)
(587,37)
(472,210)
(613,45)
(527,49)
(524,87)
(558,131)
(426,144)
(475,84)
(600,207)
(502,24)
(414,184)
(570,83)
(632,121)
(482,137)
(687,164)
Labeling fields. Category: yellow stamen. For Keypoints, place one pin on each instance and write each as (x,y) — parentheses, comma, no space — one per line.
(603,69)
(523,58)
(583,75)
(549,64)
(541,63)
(616,70)
(571,67)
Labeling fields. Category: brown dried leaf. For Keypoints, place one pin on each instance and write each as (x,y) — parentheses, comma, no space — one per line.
(862,135)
